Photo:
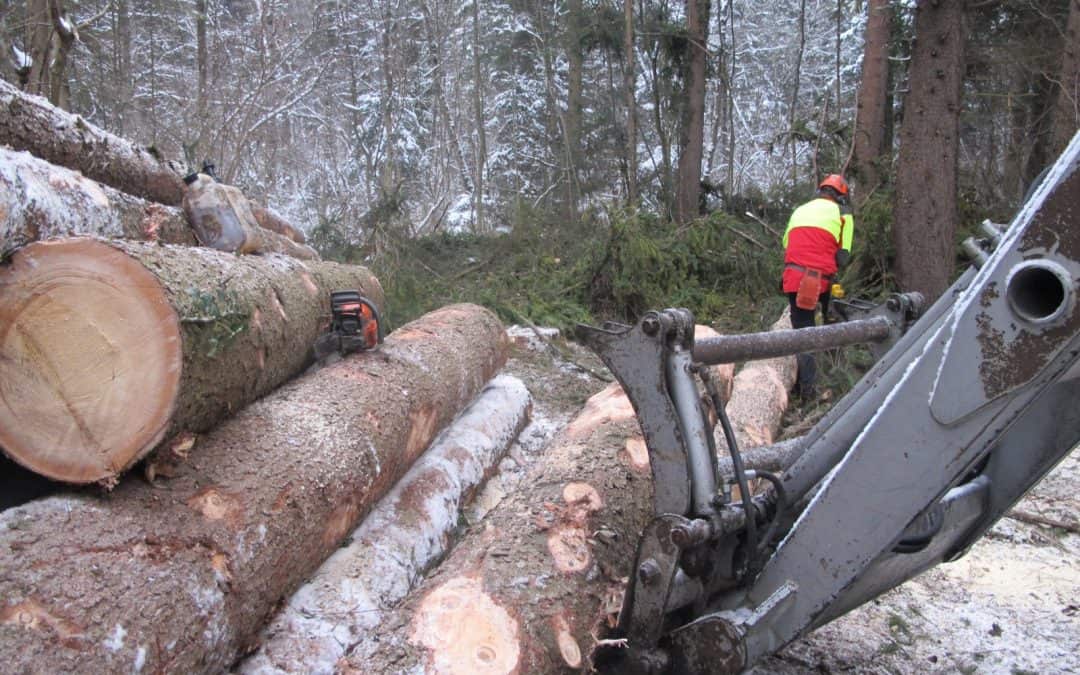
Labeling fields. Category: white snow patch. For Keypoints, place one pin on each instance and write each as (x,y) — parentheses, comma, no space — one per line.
(115,642)
(140,659)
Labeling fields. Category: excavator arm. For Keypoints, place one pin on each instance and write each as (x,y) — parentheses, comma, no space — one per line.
(971,403)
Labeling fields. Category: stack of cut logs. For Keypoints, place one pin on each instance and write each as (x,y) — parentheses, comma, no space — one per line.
(282,520)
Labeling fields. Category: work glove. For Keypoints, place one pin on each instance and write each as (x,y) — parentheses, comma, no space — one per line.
(842,257)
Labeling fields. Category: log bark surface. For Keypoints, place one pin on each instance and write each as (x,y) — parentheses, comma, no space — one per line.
(39,200)
(109,347)
(268,219)
(33,124)
(404,535)
(179,577)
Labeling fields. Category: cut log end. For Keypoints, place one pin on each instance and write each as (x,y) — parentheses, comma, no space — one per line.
(465,631)
(84,331)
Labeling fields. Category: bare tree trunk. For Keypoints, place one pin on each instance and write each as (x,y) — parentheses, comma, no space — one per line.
(870,114)
(478,113)
(435,39)
(926,181)
(574,74)
(730,115)
(156,340)
(180,576)
(388,167)
(794,108)
(202,68)
(692,138)
(666,197)
(122,64)
(630,88)
(39,28)
(1066,115)
(64,36)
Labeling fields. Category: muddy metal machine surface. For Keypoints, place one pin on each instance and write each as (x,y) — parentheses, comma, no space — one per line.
(974,401)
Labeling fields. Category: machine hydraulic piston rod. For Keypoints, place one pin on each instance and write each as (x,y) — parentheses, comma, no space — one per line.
(753,346)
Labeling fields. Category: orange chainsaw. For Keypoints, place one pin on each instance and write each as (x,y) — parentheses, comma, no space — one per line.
(354,326)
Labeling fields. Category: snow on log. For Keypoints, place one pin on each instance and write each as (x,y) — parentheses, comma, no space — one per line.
(109,347)
(180,577)
(404,535)
(33,124)
(532,587)
(39,200)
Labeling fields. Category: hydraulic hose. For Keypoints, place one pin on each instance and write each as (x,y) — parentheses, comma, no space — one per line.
(737,465)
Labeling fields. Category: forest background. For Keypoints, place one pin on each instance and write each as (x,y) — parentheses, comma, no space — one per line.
(570,160)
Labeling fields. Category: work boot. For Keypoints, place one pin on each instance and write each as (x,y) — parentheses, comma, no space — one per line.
(806,384)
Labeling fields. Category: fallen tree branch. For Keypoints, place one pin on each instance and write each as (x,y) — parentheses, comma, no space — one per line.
(1036,519)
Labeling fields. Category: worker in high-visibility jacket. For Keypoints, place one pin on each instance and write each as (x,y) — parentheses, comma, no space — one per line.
(817,243)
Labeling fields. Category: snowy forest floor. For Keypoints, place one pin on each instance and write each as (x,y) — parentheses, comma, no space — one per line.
(1011,605)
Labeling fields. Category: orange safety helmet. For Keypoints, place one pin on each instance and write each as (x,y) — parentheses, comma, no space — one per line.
(836,182)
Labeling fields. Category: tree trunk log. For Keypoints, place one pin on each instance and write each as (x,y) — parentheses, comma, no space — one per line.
(405,534)
(270,220)
(534,586)
(179,577)
(32,123)
(925,212)
(39,200)
(109,347)
(59,137)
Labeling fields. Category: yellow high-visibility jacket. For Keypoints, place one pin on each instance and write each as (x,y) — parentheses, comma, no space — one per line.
(815,232)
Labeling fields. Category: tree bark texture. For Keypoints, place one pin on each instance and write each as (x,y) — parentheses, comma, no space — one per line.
(873,94)
(533,586)
(32,124)
(1066,114)
(406,534)
(692,136)
(39,200)
(179,577)
(108,347)
(924,220)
